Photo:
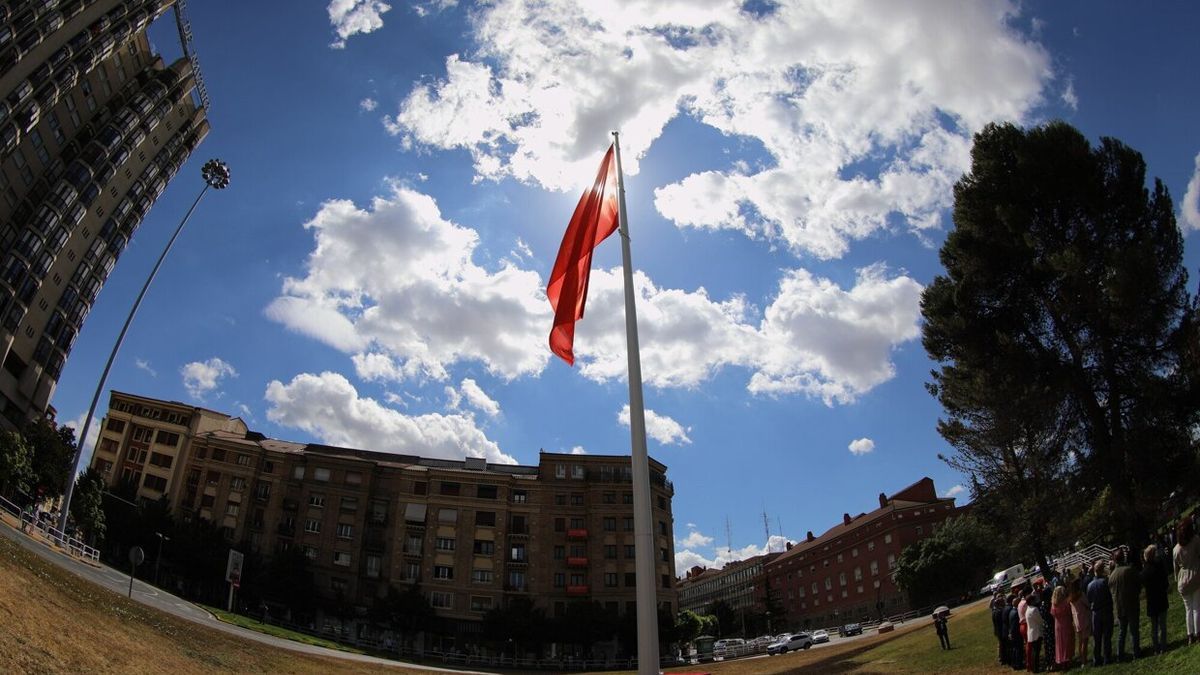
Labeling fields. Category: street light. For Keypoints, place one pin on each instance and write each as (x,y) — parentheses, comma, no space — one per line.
(216,176)
(161,538)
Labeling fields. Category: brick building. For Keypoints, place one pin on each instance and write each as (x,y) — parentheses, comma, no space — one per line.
(472,534)
(738,584)
(845,574)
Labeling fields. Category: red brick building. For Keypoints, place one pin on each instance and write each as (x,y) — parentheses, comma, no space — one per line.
(845,574)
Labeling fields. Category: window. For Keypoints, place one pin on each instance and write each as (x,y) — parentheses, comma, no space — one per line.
(485,491)
(627,498)
(854,552)
(159,459)
(576,500)
(519,496)
(842,578)
(236,484)
(243,460)
(444,544)
(560,471)
(349,503)
(321,474)
(485,518)
(155,483)
(298,473)
(627,524)
(312,526)
(420,487)
(517,553)
(167,438)
(610,551)
(630,551)
(262,490)
(345,531)
(378,511)
(116,426)
(142,434)
(577,524)
(578,472)
(664,555)
(480,603)
(891,561)
(560,580)
(560,500)
(441,600)
(858,574)
(317,501)
(662,528)
(481,576)
(311,553)
(516,580)
(920,530)
(373,565)
(610,579)
(484,547)
(444,572)
(560,552)
(610,498)
(353,478)
(219,456)
(610,524)
(412,544)
(887,538)
(560,524)
(341,558)
(839,557)
(874,568)
(412,571)
(450,489)
(630,580)
(206,501)
(447,515)
(828,584)
(870,546)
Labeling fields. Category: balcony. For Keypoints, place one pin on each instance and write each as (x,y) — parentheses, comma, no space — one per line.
(579,590)
(286,530)
(521,532)
(577,533)
(511,588)
(577,561)
(374,543)
(519,562)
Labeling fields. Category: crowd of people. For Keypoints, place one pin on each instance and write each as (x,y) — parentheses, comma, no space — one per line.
(1050,622)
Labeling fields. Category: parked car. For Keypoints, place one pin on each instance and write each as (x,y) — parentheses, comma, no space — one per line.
(886,627)
(820,636)
(1002,580)
(727,647)
(851,629)
(793,643)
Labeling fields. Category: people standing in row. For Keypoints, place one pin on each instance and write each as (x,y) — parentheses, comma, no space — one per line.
(1187,575)
(1126,586)
(1156,583)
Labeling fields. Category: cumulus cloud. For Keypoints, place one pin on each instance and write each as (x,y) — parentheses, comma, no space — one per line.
(954,491)
(862,446)
(865,112)
(329,407)
(395,286)
(368,104)
(479,399)
(352,17)
(687,558)
(695,539)
(202,377)
(1189,208)
(578,450)
(659,427)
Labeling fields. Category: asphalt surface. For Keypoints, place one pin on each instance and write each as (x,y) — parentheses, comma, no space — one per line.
(118,582)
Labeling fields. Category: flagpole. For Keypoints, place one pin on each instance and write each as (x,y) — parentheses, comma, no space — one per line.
(643,533)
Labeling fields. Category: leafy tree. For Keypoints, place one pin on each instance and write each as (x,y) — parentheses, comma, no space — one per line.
(16,467)
(1062,324)
(53,449)
(87,505)
(956,559)
(287,580)
(408,611)
(516,627)
(727,619)
(688,625)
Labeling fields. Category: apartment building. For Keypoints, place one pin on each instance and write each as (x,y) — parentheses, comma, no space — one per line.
(846,574)
(471,534)
(739,584)
(93,125)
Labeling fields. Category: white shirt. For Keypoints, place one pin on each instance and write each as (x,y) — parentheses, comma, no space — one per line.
(1033,619)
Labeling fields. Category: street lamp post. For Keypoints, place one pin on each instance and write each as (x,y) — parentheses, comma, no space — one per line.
(158,556)
(216,176)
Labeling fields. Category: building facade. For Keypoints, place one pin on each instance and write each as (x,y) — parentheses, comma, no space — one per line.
(92,127)
(846,574)
(738,584)
(470,534)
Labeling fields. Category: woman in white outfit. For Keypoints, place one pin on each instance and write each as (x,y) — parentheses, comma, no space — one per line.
(1187,575)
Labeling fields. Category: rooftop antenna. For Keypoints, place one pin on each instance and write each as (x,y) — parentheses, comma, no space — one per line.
(767,528)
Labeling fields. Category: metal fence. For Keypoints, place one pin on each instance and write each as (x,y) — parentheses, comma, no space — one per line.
(74,546)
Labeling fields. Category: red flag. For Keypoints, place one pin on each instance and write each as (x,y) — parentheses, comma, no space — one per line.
(595,218)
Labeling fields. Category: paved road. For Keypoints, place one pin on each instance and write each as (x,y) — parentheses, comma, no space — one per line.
(157,598)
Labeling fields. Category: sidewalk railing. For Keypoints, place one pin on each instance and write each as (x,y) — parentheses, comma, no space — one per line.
(76,547)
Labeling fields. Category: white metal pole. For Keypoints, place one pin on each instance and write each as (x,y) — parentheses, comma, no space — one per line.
(643,531)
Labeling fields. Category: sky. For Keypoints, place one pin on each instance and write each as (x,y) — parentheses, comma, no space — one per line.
(402,175)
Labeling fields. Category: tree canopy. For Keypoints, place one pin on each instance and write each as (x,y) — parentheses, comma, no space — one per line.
(957,559)
(1061,328)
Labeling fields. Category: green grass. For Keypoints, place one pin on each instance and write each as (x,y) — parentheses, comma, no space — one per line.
(278,631)
(974,649)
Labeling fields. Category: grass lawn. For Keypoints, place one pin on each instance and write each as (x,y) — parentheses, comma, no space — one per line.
(278,631)
(55,622)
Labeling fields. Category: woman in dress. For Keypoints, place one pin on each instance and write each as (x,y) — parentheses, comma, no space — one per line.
(1064,628)
(1187,575)
(1081,616)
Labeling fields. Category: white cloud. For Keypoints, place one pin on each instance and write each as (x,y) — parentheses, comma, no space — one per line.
(578,450)
(246,413)
(1069,96)
(862,446)
(202,377)
(329,407)
(395,286)
(143,364)
(351,17)
(479,399)
(954,491)
(659,427)
(695,539)
(453,398)
(825,89)
(687,558)
(368,104)
(1189,208)
(89,444)
(429,7)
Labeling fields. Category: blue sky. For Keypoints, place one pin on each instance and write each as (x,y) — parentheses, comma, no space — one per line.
(402,175)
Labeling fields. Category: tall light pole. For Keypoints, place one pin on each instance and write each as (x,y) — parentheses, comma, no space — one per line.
(158,557)
(216,176)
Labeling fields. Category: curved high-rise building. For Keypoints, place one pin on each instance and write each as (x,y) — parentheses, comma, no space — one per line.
(92,127)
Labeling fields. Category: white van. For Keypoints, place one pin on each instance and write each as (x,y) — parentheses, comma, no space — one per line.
(727,647)
(1003,579)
